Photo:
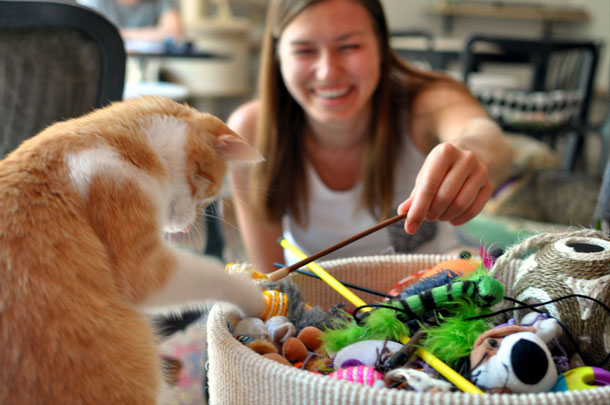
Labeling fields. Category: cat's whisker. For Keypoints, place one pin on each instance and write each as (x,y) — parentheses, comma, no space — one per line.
(242,201)
(226,203)
(221,219)
(251,188)
(197,236)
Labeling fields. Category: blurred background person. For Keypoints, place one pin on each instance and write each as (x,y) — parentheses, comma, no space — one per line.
(142,20)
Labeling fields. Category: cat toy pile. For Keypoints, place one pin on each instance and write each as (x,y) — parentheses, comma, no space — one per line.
(531,326)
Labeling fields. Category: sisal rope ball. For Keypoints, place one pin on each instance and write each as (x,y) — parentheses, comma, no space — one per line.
(565,264)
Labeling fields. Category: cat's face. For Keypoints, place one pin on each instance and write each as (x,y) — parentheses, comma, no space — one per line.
(195,155)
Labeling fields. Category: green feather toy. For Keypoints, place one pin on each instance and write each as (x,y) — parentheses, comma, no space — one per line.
(378,324)
(452,340)
(469,293)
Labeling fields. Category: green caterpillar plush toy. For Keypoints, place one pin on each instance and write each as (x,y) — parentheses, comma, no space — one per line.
(477,289)
(480,289)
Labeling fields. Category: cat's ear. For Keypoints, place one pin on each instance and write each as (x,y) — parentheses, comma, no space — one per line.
(233,148)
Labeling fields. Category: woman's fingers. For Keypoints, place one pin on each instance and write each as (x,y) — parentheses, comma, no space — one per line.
(429,179)
(476,206)
(478,182)
(457,178)
(453,185)
(405,206)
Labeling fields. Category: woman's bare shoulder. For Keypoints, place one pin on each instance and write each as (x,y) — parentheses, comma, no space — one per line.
(244,119)
(441,94)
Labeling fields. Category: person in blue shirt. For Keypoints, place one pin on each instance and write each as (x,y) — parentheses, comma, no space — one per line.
(142,20)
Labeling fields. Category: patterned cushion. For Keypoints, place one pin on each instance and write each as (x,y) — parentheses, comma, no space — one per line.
(538,112)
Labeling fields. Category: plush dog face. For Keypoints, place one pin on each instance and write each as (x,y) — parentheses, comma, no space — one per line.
(488,344)
(512,358)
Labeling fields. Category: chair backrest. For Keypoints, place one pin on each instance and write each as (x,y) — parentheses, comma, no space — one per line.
(557,89)
(421,52)
(59,60)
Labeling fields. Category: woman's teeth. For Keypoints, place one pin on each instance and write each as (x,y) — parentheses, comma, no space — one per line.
(328,94)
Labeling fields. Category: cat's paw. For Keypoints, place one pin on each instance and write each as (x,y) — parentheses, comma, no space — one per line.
(249,297)
(257,306)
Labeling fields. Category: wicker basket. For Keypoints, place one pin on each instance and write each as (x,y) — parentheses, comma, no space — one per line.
(239,376)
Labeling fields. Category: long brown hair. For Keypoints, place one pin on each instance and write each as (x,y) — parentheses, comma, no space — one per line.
(281,122)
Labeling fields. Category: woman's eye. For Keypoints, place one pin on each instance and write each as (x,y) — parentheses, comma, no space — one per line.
(350,47)
(302,51)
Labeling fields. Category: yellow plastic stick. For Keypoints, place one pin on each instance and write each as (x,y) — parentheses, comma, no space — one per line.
(450,374)
(434,362)
(324,275)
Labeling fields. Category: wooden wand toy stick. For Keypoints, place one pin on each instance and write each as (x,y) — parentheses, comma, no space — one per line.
(434,362)
(284,271)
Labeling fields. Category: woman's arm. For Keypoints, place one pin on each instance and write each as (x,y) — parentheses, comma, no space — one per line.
(467,154)
(259,236)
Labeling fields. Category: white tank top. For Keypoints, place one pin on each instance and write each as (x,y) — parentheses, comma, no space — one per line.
(337,215)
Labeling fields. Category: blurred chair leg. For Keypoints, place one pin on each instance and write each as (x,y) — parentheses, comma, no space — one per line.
(574,153)
(215,242)
(602,211)
(605,140)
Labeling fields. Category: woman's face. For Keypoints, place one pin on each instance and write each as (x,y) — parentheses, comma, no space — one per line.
(330,60)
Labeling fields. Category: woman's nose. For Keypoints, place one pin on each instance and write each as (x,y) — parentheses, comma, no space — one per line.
(327,64)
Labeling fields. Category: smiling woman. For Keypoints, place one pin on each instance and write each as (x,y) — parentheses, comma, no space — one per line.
(350,134)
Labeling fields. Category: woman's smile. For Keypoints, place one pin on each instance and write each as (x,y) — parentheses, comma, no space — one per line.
(331,94)
(334,99)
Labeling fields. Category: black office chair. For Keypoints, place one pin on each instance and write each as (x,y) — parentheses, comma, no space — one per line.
(59,60)
(555,98)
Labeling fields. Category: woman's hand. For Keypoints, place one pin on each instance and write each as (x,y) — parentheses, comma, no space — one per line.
(453,185)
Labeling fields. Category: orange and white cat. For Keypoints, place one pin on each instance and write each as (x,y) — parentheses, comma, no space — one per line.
(83,208)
